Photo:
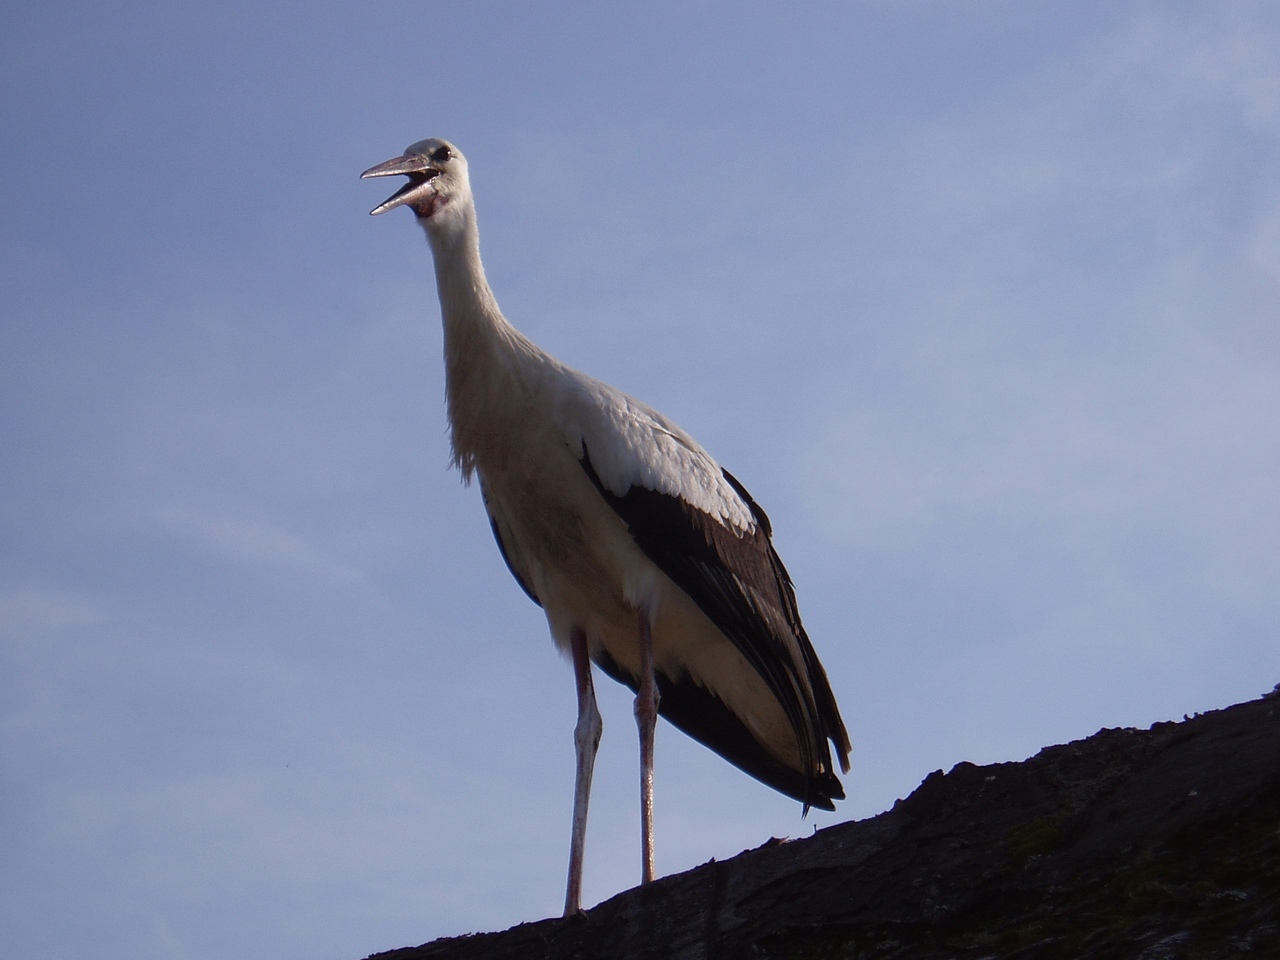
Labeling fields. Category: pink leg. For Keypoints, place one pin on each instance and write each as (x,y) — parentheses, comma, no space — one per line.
(586,738)
(646,719)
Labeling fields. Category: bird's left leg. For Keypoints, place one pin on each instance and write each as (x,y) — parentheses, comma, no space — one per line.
(646,719)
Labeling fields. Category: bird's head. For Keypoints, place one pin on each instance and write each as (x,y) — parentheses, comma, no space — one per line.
(437,175)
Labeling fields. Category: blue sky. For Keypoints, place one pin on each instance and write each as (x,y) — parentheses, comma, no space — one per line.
(980,300)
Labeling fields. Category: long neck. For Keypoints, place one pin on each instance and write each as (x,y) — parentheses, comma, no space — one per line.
(484,354)
(467,304)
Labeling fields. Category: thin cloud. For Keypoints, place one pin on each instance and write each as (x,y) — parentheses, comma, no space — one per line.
(253,542)
(38,609)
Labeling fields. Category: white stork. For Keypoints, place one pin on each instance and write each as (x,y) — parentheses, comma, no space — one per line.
(648,558)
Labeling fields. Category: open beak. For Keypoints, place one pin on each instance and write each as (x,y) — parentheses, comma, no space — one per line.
(414,166)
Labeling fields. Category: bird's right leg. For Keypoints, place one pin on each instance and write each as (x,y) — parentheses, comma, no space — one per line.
(586,739)
(646,709)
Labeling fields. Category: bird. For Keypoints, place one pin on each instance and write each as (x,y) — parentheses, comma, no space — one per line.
(650,561)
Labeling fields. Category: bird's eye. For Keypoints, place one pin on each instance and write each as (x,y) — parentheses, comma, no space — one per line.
(441,154)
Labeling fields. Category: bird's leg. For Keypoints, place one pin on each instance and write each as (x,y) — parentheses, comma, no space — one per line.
(586,738)
(646,720)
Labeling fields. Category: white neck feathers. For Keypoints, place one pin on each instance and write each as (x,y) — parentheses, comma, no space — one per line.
(487,361)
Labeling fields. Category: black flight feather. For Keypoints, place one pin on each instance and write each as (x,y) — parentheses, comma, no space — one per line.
(701,715)
(739,582)
(502,549)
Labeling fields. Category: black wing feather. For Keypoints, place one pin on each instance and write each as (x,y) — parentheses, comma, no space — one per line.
(740,583)
(502,549)
(700,714)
